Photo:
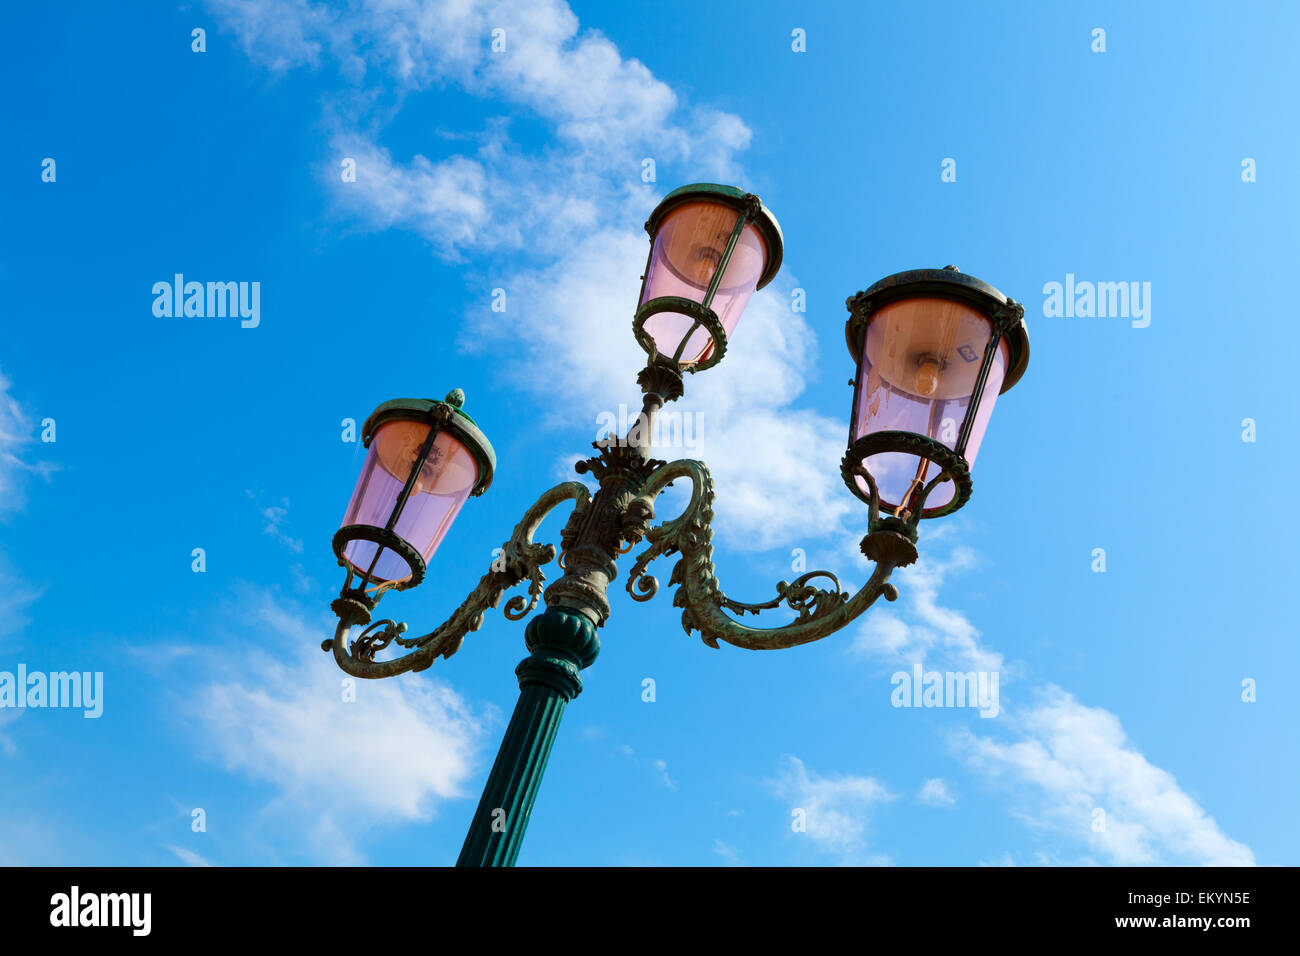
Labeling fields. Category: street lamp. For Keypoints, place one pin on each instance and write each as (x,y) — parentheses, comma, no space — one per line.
(933,350)
(711,247)
(424,459)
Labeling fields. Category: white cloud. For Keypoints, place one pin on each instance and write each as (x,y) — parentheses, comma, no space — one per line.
(837,810)
(935,793)
(277,517)
(923,630)
(658,765)
(16,439)
(776,467)
(661,766)
(402,748)
(1061,759)
(569,329)
(598,102)
(188,857)
(278,35)
(730,855)
(1069,760)
(572,211)
(17,593)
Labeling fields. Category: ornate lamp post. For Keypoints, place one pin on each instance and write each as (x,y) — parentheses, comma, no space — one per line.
(933,350)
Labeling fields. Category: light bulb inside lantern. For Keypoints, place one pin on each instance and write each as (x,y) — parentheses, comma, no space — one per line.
(399,444)
(927,376)
(707,259)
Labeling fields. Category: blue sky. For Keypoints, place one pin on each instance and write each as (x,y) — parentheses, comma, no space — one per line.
(522,170)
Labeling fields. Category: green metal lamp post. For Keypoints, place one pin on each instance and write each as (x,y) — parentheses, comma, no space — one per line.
(933,350)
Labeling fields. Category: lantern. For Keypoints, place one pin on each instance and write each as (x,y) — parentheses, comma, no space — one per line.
(425,459)
(711,247)
(934,349)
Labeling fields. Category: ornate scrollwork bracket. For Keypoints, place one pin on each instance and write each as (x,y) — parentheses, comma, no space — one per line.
(601,528)
(521,559)
(820,611)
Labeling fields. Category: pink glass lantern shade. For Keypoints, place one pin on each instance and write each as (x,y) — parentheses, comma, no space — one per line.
(424,459)
(684,259)
(934,349)
(441,488)
(712,247)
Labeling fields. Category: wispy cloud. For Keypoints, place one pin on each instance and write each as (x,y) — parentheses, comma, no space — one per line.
(921,629)
(188,857)
(17,595)
(935,793)
(662,767)
(569,214)
(276,517)
(531,54)
(17,464)
(339,765)
(1060,760)
(658,765)
(836,811)
(1072,769)
(17,461)
(730,855)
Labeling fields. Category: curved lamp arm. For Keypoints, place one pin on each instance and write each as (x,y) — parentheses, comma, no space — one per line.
(821,612)
(521,559)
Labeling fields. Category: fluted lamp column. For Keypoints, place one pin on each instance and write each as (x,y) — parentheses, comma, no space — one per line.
(561,642)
